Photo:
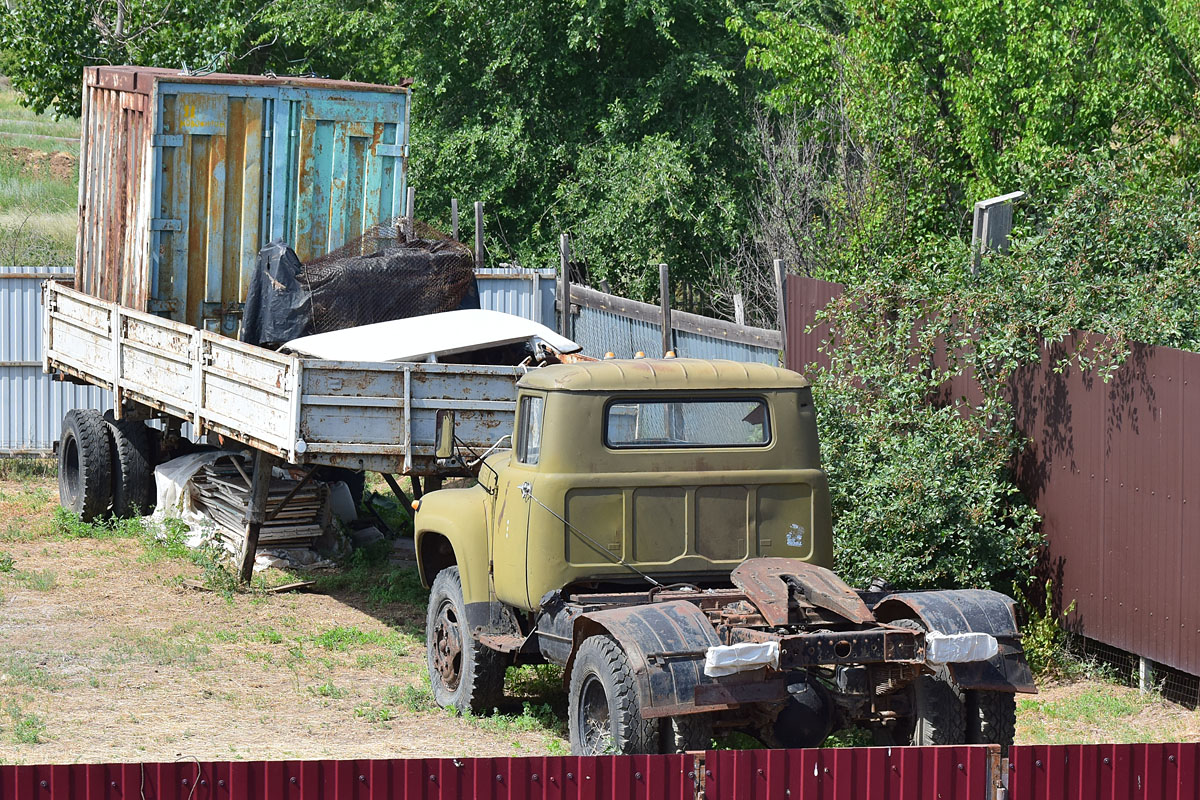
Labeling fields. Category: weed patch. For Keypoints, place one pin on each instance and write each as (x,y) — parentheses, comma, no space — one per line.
(7,563)
(26,728)
(19,670)
(23,469)
(38,580)
(328,690)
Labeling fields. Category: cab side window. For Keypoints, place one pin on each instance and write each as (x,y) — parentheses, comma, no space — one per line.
(529,429)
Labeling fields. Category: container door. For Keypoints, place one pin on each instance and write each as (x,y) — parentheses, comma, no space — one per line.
(213,156)
(346,169)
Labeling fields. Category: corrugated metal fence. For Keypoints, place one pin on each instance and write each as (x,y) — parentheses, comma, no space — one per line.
(32,405)
(1114,470)
(1052,772)
(605,323)
(949,773)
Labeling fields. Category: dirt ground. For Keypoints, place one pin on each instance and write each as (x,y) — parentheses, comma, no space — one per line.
(59,165)
(106,655)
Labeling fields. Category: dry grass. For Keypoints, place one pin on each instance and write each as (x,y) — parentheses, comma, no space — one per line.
(116,660)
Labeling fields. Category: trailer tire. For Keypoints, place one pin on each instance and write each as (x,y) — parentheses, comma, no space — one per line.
(85,465)
(464,674)
(132,471)
(991,718)
(604,712)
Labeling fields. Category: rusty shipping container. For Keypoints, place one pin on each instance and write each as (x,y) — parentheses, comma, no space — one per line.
(183,178)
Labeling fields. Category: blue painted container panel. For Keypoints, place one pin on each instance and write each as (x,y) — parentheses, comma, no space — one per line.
(185,178)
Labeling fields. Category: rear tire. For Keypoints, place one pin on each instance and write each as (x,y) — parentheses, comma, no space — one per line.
(991,718)
(463,673)
(85,465)
(132,471)
(604,714)
(686,733)
(939,716)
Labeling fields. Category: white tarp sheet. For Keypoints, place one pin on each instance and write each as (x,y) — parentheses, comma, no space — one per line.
(417,338)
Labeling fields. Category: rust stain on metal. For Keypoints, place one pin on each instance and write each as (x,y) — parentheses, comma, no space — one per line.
(769,583)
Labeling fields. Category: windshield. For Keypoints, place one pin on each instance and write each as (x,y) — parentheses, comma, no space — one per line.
(741,422)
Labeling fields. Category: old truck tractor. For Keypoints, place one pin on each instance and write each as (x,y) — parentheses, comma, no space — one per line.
(661,529)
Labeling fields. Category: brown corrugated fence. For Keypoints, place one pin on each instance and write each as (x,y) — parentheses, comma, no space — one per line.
(1114,470)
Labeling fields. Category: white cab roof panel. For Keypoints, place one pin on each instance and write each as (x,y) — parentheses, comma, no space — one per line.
(417,338)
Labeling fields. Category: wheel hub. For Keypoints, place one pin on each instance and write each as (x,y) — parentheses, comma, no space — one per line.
(595,721)
(447,646)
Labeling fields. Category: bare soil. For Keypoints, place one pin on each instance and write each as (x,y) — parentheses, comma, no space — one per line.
(59,165)
(116,660)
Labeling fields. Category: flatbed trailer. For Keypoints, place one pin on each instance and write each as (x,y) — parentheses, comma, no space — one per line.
(375,416)
(378,417)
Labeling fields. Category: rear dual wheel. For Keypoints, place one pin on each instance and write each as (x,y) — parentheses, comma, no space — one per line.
(105,466)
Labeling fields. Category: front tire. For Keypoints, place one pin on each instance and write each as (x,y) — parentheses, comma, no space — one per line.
(85,465)
(604,715)
(464,674)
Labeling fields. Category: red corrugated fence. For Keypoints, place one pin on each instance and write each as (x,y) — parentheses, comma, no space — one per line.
(1053,772)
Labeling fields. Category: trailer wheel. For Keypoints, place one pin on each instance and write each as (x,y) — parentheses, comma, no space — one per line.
(132,473)
(604,715)
(991,718)
(85,465)
(464,674)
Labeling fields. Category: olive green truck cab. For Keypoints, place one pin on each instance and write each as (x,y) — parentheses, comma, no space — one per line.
(661,528)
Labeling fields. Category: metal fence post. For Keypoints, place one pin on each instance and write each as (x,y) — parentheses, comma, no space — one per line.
(781,307)
(664,293)
(454,218)
(564,285)
(478,234)
(411,206)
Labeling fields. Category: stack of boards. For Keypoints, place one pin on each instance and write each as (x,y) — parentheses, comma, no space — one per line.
(221,492)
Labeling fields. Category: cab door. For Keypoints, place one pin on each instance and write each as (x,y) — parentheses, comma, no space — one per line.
(510,527)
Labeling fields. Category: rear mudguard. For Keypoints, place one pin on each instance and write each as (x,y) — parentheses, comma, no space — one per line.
(966,611)
(666,644)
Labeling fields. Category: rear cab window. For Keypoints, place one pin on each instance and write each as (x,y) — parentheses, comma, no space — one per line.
(695,422)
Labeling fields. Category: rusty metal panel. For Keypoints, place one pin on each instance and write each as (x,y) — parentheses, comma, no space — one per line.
(805,298)
(184,178)
(1108,771)
(881,773)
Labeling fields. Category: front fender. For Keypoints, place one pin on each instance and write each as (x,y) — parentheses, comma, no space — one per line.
(460,517)
(966,611)
(665,643)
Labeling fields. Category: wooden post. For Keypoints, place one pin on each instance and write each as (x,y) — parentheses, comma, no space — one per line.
(256,512)
(454,218)
(781,307)
(564,284)
(739,309)
(478,235)
(664,293)
(410,208)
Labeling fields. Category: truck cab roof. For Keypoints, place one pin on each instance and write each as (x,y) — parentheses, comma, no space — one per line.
(660,374)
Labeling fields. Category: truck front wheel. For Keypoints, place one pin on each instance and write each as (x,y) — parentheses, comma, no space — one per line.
(604,714)
(463,673)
